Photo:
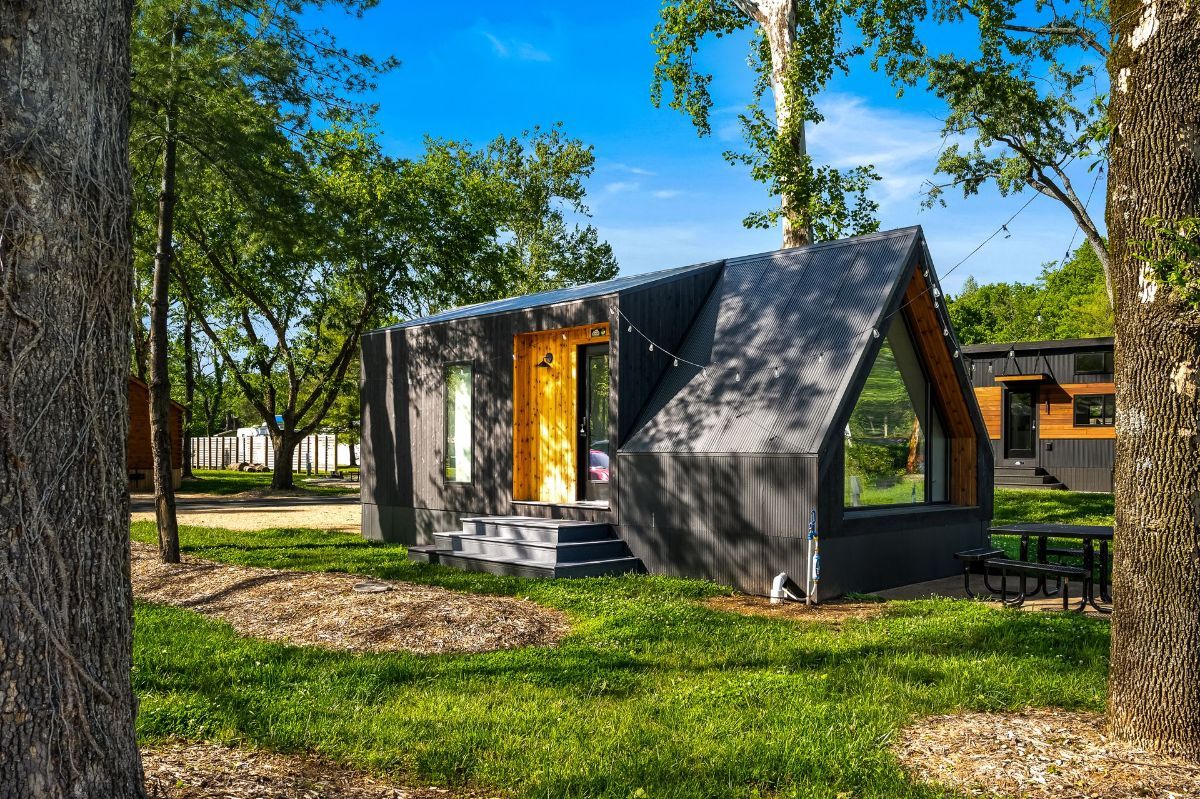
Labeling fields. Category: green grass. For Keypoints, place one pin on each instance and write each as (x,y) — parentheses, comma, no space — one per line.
(1048,507)
(224,482)
(652,694)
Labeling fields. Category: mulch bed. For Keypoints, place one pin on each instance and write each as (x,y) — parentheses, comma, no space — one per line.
(206,771)
(834,612)
(323,609)
(1039,754)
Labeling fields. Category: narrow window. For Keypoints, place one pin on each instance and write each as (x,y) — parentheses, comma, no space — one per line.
(459,422)
(1094,363)
(1095,410)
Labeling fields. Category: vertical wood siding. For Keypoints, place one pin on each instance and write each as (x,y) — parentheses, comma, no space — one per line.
(545,416)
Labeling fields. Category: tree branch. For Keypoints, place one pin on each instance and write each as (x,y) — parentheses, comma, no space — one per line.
(1062,29)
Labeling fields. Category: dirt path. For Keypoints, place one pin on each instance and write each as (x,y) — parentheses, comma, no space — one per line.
(258,513)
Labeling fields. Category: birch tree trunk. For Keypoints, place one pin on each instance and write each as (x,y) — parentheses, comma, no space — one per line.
(777,18)
(66,702)
(1154,682)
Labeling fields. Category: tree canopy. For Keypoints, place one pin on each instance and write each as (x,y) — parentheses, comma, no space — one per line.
(1068,300)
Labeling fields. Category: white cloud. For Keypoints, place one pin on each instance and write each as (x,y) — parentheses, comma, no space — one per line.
(618,186)
(633,170)
(666,194)
(514,48)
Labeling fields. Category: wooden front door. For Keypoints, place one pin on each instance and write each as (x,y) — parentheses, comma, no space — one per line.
(545,415)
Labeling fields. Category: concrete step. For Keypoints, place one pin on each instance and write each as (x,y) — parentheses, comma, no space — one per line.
(515,567)
(554,552)
(526,528)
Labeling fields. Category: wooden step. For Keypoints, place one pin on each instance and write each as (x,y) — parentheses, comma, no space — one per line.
(515,567)
(501,547)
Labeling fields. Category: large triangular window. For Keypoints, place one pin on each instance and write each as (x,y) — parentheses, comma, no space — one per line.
(895,447)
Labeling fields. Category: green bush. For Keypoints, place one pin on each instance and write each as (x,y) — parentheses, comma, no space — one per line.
(876,461)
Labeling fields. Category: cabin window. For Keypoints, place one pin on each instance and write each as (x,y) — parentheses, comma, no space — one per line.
(1095,410)
(1094,363)
(456,466)
(896,448)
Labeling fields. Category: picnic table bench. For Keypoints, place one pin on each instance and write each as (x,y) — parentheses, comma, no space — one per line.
(1041,569)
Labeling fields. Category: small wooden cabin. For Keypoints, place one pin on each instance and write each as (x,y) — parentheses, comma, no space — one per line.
(689,422)
(139,453)
(1050,409)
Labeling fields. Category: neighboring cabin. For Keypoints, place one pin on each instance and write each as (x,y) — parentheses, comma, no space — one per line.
(820,378)
(139,452)
(1050,409)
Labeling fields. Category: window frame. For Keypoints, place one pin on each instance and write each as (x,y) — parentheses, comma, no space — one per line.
(446,367)
(1104,400)
(1106,363)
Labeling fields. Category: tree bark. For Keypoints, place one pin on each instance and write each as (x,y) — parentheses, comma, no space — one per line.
(1154,681)
(66,608)
(160,381)
(282,475)
(189,392)
(777,18)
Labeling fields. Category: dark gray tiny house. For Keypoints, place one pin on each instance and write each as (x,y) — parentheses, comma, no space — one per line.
(1050,410)
(821,378)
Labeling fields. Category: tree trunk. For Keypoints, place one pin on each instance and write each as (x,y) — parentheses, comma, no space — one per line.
(189,392)
(1154,680)
(285,443)
(66,608)
(141,345)
(779,23)
(160,381)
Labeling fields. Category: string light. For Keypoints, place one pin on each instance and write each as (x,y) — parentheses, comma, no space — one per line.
(945,331)
(629,329)
(956,353)
(676,361)
(777,371)
(874,332)
(1007,234)
(652,346)
(737,377)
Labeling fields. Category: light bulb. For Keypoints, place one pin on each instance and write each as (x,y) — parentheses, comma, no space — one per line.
(676,361)
(629,329)
(652,347)
(874,332)
(737,377)
(945,331)
(956,353)
(777,371)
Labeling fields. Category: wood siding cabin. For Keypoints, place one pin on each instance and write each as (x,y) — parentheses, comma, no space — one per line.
(1050,410)
(139,452)
(689,421)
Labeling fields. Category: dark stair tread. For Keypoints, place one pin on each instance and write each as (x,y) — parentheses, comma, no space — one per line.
(427,553)
(531,521)
(530,542)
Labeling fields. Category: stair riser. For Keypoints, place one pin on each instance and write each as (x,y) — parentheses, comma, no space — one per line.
(563,535)
(483,547)
(470,563)
(1026,481)
(1020,471)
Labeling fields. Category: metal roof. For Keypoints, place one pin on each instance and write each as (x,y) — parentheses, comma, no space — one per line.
(1039,346)
(806,312)
(554,297)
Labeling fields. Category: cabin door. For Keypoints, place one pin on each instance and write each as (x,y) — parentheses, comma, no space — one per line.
(592,422)
(1020,423)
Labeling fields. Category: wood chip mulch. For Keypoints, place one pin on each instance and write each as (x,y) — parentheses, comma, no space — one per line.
(323,609)
(207,771)
(833,613)
(1039,754)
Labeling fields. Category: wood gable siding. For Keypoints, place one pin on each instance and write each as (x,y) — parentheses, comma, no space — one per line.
(1056,410)
(545,417)
(139,452)
(939,365)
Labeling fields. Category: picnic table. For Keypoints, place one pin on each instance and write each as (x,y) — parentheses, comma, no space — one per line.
(1092,537)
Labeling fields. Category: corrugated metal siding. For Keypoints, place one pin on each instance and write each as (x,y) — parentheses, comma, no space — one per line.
(729,518)
(780,310)
(1059,364)
(1080,464)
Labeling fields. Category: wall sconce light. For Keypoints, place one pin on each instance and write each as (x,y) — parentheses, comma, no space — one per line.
(545,362)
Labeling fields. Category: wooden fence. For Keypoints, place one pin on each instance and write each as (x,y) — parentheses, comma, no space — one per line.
(318,452)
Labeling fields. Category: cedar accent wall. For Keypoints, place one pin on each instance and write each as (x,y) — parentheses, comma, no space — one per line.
(140,455)
(544,415)
(927,334)
(1056,410)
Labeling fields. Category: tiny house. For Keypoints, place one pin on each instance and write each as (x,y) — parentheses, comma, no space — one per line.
(139,453)
(691,422)
(1050,410)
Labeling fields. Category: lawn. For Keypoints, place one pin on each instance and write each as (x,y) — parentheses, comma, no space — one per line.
(652,694)
(225,482)
(1057,507)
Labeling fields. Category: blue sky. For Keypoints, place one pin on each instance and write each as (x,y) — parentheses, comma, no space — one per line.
(661,195)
